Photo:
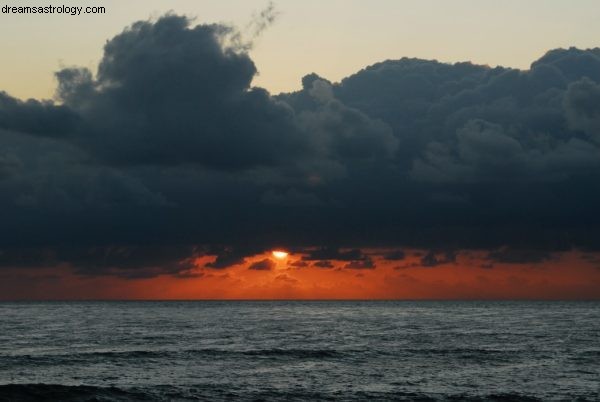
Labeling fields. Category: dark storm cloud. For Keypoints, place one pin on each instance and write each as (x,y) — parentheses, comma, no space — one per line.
(343,132)
(35,117)
(434,259)
(168,148)
(169,94)
(582,105)
(124,261)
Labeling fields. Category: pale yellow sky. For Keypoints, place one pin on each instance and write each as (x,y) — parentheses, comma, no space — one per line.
(333,38)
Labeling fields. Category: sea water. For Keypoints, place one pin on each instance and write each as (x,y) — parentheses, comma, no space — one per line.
(280,350)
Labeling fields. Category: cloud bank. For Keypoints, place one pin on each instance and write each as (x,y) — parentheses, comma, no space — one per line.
(167,152)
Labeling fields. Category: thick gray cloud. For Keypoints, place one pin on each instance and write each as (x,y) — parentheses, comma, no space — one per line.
(124,261)
(582,104)
(167,93)
(168,147)
(35,117)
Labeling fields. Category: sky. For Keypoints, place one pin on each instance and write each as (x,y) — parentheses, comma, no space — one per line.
(404,150)
(333,38)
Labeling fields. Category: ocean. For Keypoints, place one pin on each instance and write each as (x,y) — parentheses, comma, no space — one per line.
(300,351)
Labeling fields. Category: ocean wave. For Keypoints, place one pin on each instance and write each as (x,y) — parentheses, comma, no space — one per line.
(148,355)
(51,392)
(274,352)
(299,353)
(54,358)
(84,393)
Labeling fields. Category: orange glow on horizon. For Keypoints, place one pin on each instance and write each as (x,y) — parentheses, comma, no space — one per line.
(569,275)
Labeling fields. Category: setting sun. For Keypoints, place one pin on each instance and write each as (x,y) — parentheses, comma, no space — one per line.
(280,255)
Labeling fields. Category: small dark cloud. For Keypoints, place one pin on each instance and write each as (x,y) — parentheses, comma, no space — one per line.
(189,274)
(226,260)
(434,259)
(394,255)
(228,256)
(299,264)
(367,263)
(263,265)
(430,260)
(323,264)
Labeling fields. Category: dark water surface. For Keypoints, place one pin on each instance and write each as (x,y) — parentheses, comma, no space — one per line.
(300,351)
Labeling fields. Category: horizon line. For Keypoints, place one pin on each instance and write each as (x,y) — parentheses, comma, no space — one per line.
(293,300)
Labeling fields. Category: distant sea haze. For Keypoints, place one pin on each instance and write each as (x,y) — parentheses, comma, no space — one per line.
(300,351)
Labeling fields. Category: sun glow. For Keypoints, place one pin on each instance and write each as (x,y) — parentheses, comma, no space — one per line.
(280,255)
